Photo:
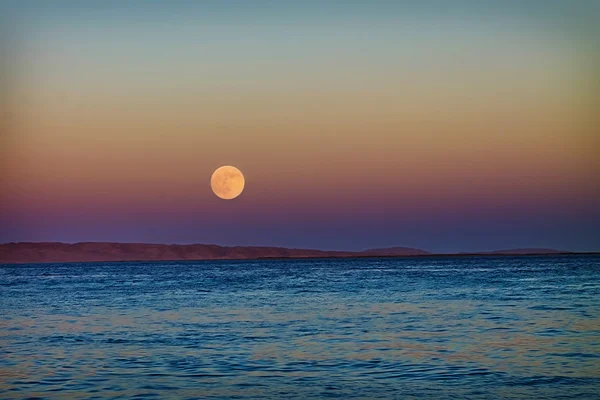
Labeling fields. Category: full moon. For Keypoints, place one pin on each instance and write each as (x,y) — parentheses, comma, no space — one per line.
(227,182)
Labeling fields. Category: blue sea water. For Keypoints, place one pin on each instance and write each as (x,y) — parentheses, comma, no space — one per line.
(426,328)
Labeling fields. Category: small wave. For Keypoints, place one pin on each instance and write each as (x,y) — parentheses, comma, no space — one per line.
(575,355)
(549,308)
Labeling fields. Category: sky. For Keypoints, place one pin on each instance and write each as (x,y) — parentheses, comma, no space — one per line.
(447,126)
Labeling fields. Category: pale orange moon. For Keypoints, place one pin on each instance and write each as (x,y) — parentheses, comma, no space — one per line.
(227,182)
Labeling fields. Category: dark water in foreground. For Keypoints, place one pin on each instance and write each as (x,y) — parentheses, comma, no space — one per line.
(476,327)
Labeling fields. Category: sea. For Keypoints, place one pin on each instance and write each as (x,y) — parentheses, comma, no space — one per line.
(487,327)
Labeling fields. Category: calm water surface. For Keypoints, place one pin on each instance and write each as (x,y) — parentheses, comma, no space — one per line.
(472,327)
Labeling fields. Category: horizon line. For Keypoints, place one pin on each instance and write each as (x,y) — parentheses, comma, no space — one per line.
(521,248)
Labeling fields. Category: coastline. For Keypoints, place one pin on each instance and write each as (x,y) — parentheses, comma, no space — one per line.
(98,252)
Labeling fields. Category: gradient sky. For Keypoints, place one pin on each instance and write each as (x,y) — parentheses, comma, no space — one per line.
(356,125)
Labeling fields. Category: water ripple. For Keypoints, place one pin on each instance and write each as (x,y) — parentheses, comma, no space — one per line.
(478,328)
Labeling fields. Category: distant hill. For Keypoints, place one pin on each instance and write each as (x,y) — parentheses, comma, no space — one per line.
(106,251)
(395,251)
(38,252)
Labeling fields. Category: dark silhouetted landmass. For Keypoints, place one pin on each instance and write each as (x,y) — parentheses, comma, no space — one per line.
(525,251)
(50,252)
(101,251)
(28,252)
(395,251)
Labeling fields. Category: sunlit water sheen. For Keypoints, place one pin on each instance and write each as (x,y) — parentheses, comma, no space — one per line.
(472,327)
